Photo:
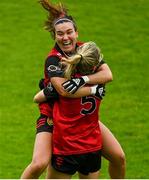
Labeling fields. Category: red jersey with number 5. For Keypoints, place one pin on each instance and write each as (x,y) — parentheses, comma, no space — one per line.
(76,126)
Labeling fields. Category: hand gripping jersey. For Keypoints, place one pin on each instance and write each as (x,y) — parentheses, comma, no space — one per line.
(47,108)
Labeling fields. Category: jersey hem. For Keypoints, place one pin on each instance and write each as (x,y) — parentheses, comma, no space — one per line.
(80,152)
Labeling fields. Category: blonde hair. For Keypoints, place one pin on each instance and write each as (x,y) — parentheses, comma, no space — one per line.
(86,60)
(55,12)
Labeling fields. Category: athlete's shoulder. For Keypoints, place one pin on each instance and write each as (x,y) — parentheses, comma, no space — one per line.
(54,52)
(79,43)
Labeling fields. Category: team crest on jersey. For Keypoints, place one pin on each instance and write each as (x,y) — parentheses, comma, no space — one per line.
(77,81)
(49,121)
(53,68)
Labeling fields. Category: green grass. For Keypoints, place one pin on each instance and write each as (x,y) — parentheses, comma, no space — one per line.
(121,29)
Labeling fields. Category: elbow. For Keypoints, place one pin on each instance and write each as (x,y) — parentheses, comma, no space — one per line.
(38,98)
(106,73)
(109,77)
(35,99)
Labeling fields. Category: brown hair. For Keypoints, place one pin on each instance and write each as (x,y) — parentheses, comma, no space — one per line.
(55,12)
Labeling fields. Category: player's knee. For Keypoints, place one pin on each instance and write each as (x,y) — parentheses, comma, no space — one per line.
(120,159)
(39,165)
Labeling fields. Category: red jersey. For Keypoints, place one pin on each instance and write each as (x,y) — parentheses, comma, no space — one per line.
(76,126)
(47,108)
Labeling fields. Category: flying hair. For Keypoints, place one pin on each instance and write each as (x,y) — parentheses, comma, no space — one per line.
(86,60)
(56,12)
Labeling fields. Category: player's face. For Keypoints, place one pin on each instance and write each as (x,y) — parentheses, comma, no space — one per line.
(66,36)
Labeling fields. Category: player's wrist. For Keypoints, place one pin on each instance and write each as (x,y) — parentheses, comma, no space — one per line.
(93,89)
(85,78)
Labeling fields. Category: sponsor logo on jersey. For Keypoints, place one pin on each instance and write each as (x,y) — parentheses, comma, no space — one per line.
(53,68)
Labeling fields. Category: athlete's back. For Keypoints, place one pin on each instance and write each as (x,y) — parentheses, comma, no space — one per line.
(76,127)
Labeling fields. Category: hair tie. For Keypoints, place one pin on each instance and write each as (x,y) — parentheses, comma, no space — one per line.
(81,57)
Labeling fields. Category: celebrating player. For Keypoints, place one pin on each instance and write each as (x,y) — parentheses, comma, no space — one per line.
(76,134)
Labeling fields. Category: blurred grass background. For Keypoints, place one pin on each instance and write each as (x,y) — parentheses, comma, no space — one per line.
(121,29)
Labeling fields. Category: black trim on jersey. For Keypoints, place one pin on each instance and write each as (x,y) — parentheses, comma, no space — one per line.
(52,60)
(58,49)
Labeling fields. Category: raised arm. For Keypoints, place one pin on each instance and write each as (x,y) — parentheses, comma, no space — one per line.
(57,83)
(102,76)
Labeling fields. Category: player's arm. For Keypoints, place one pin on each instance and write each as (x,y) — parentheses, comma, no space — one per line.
(53,70)
(50,92)
(57,83)
(52,67)
(55,74)
(53,91)
(39,97)
(102,75)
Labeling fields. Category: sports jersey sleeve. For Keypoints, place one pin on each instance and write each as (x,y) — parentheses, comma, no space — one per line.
(46,108)
(53,67)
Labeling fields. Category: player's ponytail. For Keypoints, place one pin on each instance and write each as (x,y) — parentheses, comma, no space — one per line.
(71,64)
(86,60)
(57,13)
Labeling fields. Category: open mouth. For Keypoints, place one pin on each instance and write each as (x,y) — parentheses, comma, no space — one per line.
(68,43)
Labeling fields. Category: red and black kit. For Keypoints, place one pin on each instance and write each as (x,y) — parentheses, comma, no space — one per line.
(76,134)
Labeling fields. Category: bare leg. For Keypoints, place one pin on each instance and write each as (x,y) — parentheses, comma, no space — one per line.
(54,174)
(48,173)
(94,175)
(113,152)
(41,156)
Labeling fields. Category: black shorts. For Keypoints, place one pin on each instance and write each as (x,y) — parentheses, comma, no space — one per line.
(44,124)
(83,163)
